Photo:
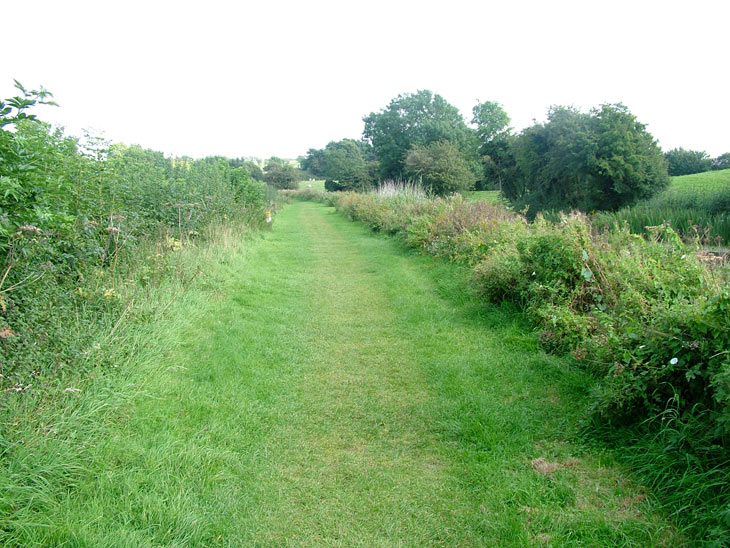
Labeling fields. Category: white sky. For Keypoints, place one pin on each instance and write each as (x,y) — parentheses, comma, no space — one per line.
(276,78)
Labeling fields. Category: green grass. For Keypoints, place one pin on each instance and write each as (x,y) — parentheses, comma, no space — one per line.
(708,192)
(699,183)
(491,196)
(314,185)
(324,387)
(694,205)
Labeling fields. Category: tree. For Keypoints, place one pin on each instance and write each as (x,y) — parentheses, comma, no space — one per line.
(722,161)
(281,174)
(686,162)
(344,166)
(494,136)
(313,162)
(602,160)
(500,167)
(251,167)
(628,164)
(440,167)
(247,190)
(491,120)
(416,119)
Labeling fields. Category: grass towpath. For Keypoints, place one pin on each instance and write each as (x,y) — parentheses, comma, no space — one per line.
(335,390)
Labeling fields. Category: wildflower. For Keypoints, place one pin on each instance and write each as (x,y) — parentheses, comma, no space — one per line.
(674,361)
(110,294)
(29,229)
(580,353)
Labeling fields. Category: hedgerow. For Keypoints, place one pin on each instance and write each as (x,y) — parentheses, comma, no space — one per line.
(82,219)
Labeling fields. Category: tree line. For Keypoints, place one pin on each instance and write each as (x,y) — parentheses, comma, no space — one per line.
(681,161)
(603,159)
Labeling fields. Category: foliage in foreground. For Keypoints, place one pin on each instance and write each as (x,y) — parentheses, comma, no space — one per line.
(642,314)
(78,219)
(52,431)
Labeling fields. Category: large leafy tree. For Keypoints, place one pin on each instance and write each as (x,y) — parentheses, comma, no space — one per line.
(601,160)
(344,166)
(491,121)
(415,119)
(250,165)
(495,138)
(440,167)
(313,162)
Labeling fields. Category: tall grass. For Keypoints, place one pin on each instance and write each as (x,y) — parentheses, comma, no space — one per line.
(400,190)
(692,224)
(50,426)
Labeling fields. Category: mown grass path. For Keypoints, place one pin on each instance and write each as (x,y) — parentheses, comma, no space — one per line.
(335,390)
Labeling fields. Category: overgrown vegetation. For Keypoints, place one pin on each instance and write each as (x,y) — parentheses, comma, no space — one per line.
(81,220)
(643,314)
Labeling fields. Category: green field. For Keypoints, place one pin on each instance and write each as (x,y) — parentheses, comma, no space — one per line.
(491,196)
(697,206)
(314,185)
(701,183)
(709,191)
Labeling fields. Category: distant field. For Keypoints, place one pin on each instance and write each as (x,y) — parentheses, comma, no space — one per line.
(315,185)
(491,196)
(709,191)
(702,182)
(693,204)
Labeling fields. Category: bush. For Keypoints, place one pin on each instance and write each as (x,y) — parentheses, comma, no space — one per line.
(602,160)
(440,167)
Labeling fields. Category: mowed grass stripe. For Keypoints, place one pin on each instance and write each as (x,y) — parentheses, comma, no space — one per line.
(334,390)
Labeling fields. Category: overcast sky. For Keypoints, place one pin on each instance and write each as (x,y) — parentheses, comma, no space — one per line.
(277,78)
